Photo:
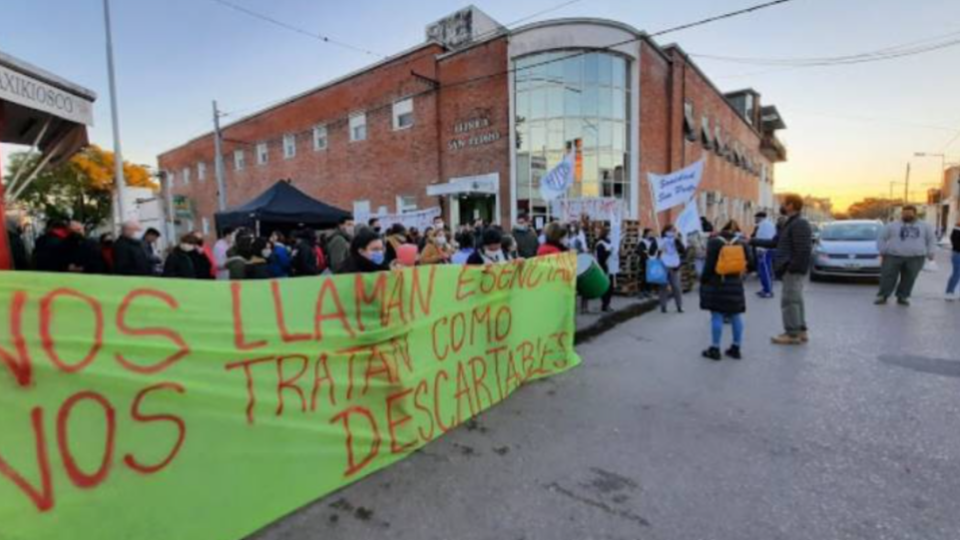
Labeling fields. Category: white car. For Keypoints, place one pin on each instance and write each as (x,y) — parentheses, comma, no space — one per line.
(847,249)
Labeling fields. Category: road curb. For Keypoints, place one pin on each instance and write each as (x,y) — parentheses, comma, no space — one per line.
(610,321)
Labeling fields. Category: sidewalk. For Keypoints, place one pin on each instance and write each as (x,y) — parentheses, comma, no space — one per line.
(596,323)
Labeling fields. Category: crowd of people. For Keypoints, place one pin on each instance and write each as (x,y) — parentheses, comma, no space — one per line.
(781,250)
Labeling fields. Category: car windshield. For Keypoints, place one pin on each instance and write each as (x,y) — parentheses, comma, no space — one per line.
(851,232)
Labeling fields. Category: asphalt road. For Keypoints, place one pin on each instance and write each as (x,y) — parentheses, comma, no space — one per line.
(855,436)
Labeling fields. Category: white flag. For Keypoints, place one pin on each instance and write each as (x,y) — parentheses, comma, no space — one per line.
(555,183)
(689,220)
(676,188)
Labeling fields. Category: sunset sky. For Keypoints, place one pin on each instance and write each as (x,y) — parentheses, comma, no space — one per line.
(851,129)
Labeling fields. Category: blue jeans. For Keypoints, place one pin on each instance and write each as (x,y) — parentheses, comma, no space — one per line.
(716,327)
(955,276)
(765,270)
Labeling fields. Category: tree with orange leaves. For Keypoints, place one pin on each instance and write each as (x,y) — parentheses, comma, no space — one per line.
(81,189)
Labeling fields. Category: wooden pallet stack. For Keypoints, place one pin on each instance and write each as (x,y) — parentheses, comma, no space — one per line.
(630,278)
(628,281)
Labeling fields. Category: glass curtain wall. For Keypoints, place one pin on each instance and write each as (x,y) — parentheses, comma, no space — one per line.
(572,99)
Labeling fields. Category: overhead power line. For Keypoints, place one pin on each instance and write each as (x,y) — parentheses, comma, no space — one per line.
(888,53)
(297,29)
(502,73)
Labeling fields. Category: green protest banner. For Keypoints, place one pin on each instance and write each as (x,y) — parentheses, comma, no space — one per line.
(139,409)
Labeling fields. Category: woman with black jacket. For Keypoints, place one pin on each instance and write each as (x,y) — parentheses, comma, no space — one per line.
(723,295)
(367,254)
(179,263)
(258,266)
(604,250)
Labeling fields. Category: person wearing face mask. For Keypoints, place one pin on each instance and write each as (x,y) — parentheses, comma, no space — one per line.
(954,279)
(492,250)
(905,246)
(527,241)
(555,240)
(257,266)
(179,263)
(374,225)
(367,254)
(671,252)
(202,258)
(436,250)
(338,245)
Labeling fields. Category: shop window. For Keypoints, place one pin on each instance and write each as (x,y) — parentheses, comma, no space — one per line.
(358,127)
(289,146)
(403,114)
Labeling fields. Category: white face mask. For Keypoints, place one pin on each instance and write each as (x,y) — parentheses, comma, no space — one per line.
(494,255)
(266,253)
(187,247)
(441,241)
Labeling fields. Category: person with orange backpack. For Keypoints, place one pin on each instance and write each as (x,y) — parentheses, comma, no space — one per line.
(721,288)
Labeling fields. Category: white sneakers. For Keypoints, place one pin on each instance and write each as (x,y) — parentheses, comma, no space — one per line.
(951,297)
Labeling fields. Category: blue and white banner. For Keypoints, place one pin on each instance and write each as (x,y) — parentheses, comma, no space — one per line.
(557,182)
(676,188)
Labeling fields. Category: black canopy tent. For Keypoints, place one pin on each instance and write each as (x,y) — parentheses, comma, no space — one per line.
(281,207)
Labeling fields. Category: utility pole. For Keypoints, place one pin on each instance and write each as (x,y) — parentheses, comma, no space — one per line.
(118,179)
(171,214)
(906,187)
(218,160)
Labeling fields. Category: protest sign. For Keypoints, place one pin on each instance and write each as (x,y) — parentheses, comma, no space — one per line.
(139,409)
(595,208)
(420,219)
(676,188)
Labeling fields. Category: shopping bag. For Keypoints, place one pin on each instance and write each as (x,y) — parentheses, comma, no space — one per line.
(931,266)
(656,272)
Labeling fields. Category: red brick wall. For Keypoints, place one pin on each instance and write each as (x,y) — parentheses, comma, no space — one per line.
(387,164)
(719,174)
(655,131)
(665,85)
(489,97)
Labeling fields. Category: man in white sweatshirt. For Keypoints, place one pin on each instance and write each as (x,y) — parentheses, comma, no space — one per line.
(905,245)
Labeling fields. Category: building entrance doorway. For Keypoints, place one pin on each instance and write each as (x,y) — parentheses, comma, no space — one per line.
(474,207)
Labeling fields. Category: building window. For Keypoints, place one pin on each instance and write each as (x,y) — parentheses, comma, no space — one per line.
(239,160)
(572,103)
(263,154)
(707,139)
(358,127)
(201,171)
(185,176)
(689,122)
(717,141)
(406,203)
(403,114)
(320,138)
(171,177)
(289,146)
(361,211)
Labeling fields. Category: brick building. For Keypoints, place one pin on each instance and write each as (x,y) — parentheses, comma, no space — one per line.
(472,118)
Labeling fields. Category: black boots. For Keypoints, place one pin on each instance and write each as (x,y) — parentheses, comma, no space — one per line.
(734,352)
(713,353)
